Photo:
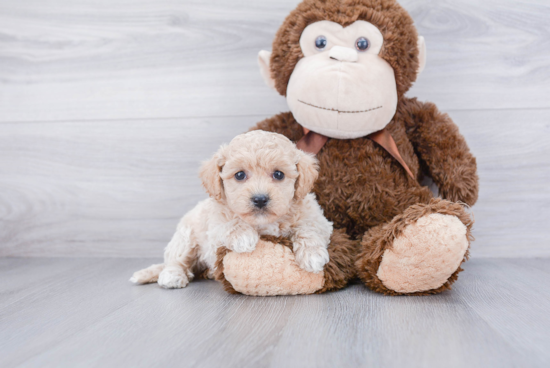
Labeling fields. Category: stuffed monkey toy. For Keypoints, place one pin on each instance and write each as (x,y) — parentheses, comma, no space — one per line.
(344,67)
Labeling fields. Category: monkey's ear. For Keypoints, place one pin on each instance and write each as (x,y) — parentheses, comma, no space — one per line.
(265,71)
(308,171)
(210,175)
(421,54)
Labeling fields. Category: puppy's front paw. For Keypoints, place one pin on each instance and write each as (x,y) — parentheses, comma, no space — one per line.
(311,259)
(244,243)
(172,278)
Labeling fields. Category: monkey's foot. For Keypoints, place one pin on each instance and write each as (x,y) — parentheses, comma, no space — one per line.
(271,269)
(418,252)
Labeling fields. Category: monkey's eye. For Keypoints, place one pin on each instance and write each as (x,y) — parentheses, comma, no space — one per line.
(362,44)
(321,42)
(278,175)
(240,176)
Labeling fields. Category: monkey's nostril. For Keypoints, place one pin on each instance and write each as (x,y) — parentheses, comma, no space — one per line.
(260,201)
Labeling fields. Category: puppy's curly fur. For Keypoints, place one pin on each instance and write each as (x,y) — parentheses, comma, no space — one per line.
(232,217)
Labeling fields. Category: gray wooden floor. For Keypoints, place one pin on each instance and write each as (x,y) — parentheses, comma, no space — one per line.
(81,312)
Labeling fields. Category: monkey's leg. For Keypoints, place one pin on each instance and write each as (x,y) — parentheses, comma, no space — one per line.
(419,252)
(271,268)
(339,270)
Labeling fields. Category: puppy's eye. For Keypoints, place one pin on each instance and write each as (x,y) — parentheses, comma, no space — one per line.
(278,175)
(362,44)
(240,176)
(321,42)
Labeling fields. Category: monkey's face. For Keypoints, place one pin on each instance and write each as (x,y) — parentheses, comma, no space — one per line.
(342,88)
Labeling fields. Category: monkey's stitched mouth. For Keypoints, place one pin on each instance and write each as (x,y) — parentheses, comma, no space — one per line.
(339,111)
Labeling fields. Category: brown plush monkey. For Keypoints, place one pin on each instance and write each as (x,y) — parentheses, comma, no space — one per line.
(344,67)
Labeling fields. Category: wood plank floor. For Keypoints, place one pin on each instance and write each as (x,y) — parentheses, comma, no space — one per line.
(68,312)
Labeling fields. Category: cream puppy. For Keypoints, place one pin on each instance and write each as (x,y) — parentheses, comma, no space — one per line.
(258,185)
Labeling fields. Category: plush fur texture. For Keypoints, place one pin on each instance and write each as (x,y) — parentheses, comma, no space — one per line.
(281,277)
(361,186)
(270,269)
(380,239)
(230,219)
(425,255)
(400,37)
(339,91)
(340,268)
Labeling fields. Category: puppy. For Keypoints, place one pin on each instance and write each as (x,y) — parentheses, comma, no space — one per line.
(258,185)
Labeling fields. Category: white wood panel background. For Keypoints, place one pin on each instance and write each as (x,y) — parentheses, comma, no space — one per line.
(107,108)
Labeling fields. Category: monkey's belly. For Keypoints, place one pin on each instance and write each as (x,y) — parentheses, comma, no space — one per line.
(357,194)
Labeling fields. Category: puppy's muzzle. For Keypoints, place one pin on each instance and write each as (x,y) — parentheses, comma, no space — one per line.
(260,201)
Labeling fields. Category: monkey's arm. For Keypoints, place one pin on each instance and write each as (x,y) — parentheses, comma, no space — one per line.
(284,124)
(443,151)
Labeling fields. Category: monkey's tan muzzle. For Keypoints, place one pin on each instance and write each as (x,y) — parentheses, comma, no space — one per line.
(341,53)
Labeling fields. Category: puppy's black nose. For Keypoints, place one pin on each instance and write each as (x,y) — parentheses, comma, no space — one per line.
(260,201)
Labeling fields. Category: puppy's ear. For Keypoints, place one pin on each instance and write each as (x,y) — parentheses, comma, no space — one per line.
(210,175)
(308,171)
